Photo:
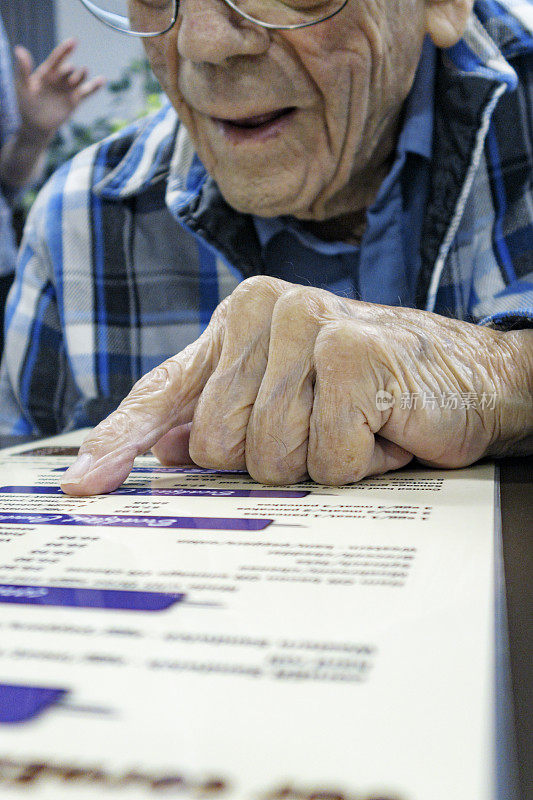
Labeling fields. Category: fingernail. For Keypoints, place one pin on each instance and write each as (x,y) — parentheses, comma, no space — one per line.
(78,470)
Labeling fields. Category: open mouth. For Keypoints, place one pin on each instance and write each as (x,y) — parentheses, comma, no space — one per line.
(261,125)
(260,119)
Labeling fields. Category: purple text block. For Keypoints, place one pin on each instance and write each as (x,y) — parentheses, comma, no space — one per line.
(176,491)
(178,470)
(71,597)
(22,703)
(134,521)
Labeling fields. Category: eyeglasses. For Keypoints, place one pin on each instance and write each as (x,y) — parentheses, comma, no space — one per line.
(154,17)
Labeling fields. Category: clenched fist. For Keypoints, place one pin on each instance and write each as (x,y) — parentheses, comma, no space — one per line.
(289,381)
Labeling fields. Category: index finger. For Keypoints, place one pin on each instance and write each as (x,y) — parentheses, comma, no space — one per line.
(162,399)
(58,54)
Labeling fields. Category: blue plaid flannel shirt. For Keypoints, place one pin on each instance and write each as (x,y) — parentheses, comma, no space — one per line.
(9,121)
(130,247)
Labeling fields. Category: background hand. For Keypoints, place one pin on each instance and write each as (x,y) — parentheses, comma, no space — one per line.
(48,95)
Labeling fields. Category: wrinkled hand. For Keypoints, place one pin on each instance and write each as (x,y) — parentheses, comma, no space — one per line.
(48,95)
(290,381)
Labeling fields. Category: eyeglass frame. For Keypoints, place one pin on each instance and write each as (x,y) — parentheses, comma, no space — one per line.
(106,17)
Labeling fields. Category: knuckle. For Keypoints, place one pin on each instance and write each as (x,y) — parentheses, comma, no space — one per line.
(299,303)
(257,286)
(350,348)
(252,301)
(117,433)
(333,343)
(259,283)
(156,387)
(338,358)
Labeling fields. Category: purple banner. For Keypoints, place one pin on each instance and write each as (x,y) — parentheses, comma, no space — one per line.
(192,470)
(134,521)
(22,703)
(178,491)
(88,598)
(178,470)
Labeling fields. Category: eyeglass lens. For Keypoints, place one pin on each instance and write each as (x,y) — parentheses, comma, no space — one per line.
(152,17)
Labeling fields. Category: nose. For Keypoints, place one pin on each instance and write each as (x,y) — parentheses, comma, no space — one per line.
(212,32)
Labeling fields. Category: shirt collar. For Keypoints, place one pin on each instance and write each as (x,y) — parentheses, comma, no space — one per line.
(416,135)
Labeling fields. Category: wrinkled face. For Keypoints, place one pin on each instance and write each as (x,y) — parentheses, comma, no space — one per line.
(296,122)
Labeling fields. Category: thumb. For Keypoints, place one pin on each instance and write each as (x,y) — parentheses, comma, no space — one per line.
(162,399)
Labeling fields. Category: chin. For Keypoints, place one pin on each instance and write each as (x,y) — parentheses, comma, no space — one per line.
(262,198)
(262,208)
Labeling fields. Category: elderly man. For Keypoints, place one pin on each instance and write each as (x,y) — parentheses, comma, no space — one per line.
(366,166)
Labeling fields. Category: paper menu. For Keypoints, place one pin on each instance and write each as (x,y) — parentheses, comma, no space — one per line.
(198,635)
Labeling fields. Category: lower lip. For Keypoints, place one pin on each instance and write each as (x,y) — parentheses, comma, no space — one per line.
(260,133)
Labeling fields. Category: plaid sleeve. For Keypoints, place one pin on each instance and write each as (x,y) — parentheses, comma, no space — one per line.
(35,376)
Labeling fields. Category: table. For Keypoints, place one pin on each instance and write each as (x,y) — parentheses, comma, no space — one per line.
(516,492)
(516,487)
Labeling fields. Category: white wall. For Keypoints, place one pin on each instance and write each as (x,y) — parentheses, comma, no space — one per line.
(102,50)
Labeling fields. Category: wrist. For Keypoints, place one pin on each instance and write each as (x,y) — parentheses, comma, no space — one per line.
(513,379)
(33,137)
(21,158)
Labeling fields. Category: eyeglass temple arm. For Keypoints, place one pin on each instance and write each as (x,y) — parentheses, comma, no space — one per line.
(106,16)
